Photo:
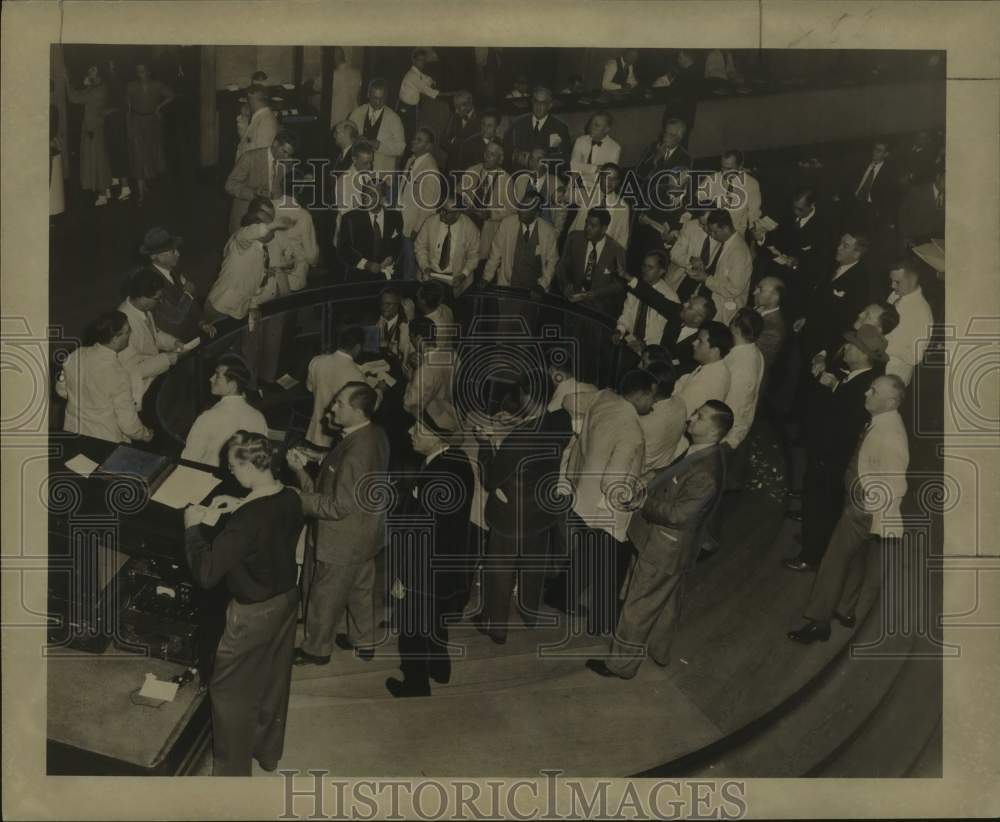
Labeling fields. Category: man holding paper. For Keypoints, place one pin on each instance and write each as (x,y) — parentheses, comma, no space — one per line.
(447,248)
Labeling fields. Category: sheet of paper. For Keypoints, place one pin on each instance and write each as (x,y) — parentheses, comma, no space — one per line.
(445,278)
(153,688)
(374,367)
(767,224)
(82,465)
(232,87)
(190,345)
(289,86)
(276,435)
(185,486)
(287,381)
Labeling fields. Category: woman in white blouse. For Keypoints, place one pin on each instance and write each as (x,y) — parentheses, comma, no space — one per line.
(211,431)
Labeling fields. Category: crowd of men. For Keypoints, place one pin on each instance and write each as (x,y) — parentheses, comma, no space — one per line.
(727,312)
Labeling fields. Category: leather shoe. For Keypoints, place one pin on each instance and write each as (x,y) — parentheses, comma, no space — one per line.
(599,667)
(365,654)
(268,766)
(399,689)
(847,621)
(795,516)
(305,658)
(797,565)
(813,632)
(342,642)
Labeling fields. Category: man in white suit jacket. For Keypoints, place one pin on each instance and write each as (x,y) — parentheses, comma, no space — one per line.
(595,148)
(738,192)
(728,278)
(604,469)
(380,125)
(262,127)
(537,239)
(447,247)
(420,186)
(489,195)
(328,373)
(150,352)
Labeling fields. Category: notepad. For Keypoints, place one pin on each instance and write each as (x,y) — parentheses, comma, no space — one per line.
(82,465)
(375,366)
(767,224)
(153,688)
(287,381)
(185,486)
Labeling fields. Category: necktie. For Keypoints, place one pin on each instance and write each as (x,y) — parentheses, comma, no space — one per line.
(267,264)
(445,259)
(588,273)
(642,316)
(376,235)
(706,248)
(593,144)
(538,126)
(865,189)
(486,190)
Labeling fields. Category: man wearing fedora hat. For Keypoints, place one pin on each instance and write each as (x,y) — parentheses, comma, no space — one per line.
(835,418)
(178,312)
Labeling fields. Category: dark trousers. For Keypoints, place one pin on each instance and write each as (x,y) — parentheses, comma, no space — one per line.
(842,573)
(250,683)
(598,563)
(423,640)
(508,556)
(261,348)
(822,501)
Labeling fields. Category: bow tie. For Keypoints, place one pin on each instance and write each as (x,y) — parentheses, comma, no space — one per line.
(596,143)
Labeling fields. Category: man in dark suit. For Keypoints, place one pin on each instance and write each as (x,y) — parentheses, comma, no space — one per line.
(921,216)
(836,417)
(463,124)
(588,271)
(667,534)
(873,192)
(370,240)
(834,303)
(768,297)
(661,173)
(338,574)
(538,129)
(805,242)
(434,573)
(683,321)
(472,147)
(519,474)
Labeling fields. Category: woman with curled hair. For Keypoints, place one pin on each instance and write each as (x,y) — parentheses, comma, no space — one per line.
(255,554)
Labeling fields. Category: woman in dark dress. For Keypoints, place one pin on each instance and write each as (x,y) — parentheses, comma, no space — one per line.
(146,98)
(116,131)
(255,553)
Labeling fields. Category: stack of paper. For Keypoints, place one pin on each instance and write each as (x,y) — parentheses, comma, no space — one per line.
(185,486)
(82,465)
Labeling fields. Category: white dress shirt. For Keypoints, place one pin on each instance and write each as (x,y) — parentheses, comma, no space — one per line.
(883,458)
(616,205)
(746,370)
(611,69)
(586,158)
(100,401)
(242,274)
(565,388)
(655,321)
(377,218)
(415,83)
(663,428)
(328,373)
(438,245)
(213,428)
(147,353)
(706,382)
(908,340)
(874,168)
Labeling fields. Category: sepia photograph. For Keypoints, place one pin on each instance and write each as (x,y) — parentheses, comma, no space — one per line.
(470,426)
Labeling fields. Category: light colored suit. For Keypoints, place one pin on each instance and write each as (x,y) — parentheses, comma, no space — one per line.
(430,390)
(746,372)
(255,171)
(328,373)
(586,162)
(730,284)
(339,568)
(100,401)
(146,356)
(464,255)
(391,138)
(420,193)
(500,205)
(259,133)
(605,463)
(500,264)
(747,213)
(552,191)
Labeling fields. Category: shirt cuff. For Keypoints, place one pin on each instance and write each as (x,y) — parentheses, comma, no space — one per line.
(362,263)
(633,282)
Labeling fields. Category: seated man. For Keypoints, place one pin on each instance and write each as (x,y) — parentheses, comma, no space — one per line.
(523,253)
(98,389)
(604,193)
(472,148)
(540,178)
(594,149)
(619,73)
(447,248)
(214,427)
(369,242)
(486,191)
